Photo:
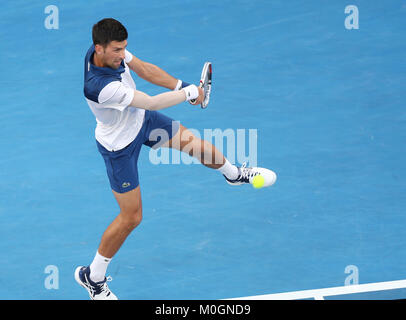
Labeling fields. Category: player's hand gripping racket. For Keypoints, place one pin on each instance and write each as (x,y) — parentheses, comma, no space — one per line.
(205,84)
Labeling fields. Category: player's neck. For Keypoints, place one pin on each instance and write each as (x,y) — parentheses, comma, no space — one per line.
(97,61)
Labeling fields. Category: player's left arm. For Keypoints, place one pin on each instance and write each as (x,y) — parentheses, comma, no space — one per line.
(155,74)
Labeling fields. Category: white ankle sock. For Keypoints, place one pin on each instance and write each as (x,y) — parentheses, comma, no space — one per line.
(229,170)
(98,267)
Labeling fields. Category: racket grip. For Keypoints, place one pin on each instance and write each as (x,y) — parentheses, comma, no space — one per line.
(200,86)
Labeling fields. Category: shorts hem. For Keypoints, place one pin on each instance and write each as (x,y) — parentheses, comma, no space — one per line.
(124,190)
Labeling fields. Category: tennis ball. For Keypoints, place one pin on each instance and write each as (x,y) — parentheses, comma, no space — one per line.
(258,181)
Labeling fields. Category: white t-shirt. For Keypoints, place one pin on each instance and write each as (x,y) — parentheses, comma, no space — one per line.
(108,93)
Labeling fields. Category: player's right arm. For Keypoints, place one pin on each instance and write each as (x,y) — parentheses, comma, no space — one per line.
(118,96)
(164,100)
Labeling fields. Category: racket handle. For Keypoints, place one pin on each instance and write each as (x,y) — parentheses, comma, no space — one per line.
(200,86)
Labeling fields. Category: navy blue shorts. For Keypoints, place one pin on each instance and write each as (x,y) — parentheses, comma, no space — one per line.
(121,165)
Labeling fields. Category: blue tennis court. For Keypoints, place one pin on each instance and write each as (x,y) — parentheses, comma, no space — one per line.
(328,107)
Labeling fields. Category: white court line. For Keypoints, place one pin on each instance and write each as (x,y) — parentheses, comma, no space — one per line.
(319,294)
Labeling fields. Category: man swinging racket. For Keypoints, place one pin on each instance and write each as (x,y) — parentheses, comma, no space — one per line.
(125,119)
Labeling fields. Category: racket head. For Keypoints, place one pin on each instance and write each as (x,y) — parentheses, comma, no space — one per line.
(205,83)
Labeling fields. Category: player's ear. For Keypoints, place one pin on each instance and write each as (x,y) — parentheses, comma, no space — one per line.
(99,49)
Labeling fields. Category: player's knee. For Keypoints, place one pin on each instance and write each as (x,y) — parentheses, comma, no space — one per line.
(132,217)
(135,221)
(196,147)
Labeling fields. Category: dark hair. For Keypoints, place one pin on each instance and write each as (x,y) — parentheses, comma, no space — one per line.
(108,30)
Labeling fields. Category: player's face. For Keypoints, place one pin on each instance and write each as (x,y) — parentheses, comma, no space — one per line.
(114,53)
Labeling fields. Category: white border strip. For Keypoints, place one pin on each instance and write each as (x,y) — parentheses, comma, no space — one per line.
(319,294)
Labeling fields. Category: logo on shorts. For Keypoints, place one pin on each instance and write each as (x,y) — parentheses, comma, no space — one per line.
(126,184)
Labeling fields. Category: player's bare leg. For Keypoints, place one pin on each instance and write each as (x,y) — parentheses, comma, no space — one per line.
(127,220)
(211,157)
(185,141)
(93,277)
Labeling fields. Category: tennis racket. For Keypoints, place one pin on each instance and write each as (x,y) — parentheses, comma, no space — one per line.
(205,83)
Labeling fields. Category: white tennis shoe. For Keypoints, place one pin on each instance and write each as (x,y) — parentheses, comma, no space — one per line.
(96,290)
(247,174)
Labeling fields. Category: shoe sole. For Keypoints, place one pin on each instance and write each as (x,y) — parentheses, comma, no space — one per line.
(272,181)
(236,183)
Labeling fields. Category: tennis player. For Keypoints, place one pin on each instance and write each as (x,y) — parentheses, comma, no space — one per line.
(126,119)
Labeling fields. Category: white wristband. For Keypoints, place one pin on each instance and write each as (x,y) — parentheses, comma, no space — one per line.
(191,92)
(178,85)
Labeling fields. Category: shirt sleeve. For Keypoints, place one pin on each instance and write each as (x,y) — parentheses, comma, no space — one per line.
(116,95)
(128,56)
